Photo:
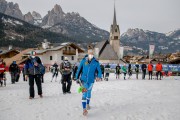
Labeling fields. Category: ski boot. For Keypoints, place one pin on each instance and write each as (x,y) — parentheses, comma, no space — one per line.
(85,112)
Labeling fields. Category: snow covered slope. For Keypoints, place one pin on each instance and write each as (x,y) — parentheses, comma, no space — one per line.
(112,100)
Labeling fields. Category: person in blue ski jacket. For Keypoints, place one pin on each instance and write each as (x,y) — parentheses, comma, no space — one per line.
(88,71)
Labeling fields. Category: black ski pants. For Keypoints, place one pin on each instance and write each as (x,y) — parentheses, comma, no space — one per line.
(37,79)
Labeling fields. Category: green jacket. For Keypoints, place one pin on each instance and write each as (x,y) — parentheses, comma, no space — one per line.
(124,69)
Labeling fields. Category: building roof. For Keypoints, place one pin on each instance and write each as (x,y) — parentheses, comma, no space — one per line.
(37,52)
(177,61)
(18,57)
(108,53)
(80,50)
(58,48)
(7,51)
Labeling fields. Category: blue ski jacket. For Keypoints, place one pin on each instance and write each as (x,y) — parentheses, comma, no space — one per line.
(88,70)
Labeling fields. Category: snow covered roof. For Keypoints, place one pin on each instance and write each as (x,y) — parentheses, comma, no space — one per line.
(37,52)
(58,48)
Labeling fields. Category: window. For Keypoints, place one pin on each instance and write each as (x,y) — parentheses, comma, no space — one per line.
(62,57)
(115,30)
(72,58)
(65,48)
(51,58)
(69,48)
(115,37)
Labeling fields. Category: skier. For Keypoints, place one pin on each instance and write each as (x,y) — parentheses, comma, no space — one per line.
(118,71)
(102,70)
(2,72)
(159,70)
(14,70)
(124,70)
(150,70)
(33,70)
(143,67)
(87,69)
(107,71)
(54,70)
(137,70)
(65,69)
(129,71)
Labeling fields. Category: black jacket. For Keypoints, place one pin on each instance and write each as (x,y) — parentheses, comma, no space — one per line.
(14,68)
(118,69)
(144,67)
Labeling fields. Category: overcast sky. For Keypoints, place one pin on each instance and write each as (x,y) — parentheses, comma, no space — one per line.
(156,15)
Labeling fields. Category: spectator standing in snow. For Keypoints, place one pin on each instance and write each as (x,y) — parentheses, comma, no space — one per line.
(102,70)
(54,69)
(2,72)
(75,68)
(14,70)
(159,70)
(129,71)
(65,69)
(137,70)
(118,71)
(124,70)
(150,70)
(107,71)
(143,68)
(33,70)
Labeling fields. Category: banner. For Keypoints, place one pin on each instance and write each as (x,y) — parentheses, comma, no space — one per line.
(121,52)
(151,50)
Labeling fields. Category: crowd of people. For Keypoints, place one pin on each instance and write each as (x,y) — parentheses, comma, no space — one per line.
(128,69)
(84,74)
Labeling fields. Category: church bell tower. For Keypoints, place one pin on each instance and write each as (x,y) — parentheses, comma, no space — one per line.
(115,34)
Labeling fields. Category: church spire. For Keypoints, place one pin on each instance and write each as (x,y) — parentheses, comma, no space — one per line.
(114,20)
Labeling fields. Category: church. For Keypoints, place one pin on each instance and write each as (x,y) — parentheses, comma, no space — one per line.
(108,51)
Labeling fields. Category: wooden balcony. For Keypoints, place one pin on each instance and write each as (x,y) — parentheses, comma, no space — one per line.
(69,52)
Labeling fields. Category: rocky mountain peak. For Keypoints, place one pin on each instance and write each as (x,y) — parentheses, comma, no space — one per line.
(36,15)
(16,6)
(29,18)
(134,32)
(55,16)
(11,9)
(57,9)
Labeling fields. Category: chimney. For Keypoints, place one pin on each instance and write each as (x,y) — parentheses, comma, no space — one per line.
(45,44)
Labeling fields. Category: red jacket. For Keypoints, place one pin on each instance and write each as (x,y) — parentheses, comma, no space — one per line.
(150,67)
(159,67)
(2,68)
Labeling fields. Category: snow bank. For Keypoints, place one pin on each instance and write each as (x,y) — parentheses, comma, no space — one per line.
(113,100)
